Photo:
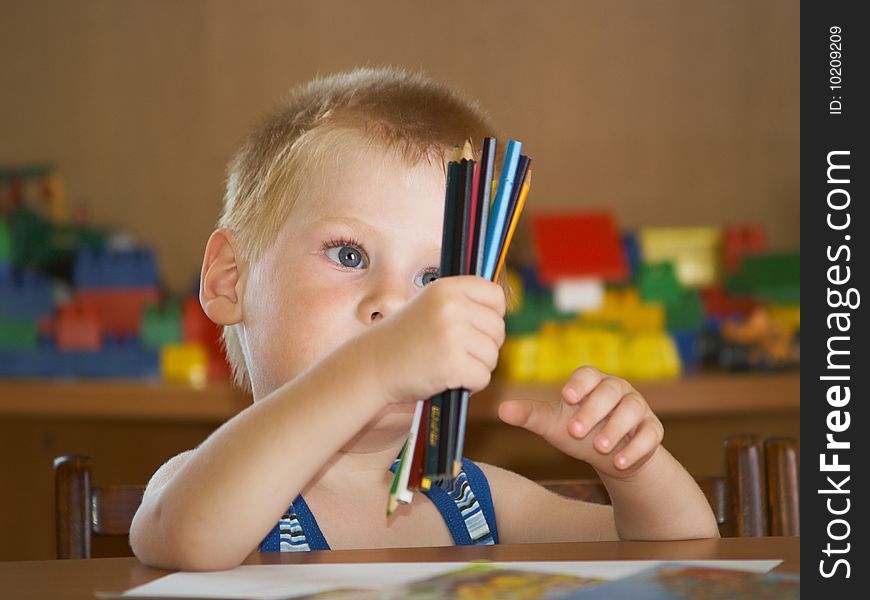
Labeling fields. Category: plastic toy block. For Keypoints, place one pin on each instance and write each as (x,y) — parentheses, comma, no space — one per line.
(631,247)
(120,310)
(693,250)
(531,281)
(574,295)
(658,283)
(774,277)
(622,308)
(39,243)
(18,333)
(578,245)
(197,327)
(77,327)
(686,313)
(536,309)
(124,361)
(161,325)
(689,346)
(519,358)
(650,356)
(5,242)
(25,294)
(761,332)
(101,269)
(596,346)
(184,363)
(742,241)
(787,315)
(719,305)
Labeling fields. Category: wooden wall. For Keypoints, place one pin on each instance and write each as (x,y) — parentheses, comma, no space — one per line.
(674,112)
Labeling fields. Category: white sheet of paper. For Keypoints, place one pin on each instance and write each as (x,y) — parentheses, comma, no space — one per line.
(269,582)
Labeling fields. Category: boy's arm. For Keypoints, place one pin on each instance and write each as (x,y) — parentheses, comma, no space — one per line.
(604,421)
(207,509)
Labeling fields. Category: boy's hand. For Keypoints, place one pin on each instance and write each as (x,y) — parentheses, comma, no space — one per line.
(600,419)
(447,337)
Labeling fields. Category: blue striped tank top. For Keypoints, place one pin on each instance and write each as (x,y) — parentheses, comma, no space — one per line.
(465,504)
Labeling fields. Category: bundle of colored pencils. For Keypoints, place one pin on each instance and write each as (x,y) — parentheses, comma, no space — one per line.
(479,222)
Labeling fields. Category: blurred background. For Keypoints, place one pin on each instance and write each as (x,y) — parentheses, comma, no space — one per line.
(670,128)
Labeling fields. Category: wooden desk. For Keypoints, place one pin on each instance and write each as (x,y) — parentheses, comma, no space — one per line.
(81,578)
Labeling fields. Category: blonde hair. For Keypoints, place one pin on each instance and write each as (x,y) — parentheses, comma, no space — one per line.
(390,108)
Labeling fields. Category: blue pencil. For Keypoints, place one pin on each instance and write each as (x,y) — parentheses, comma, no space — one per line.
(498,216)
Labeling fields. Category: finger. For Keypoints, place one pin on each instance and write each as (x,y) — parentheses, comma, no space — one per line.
(483,348)
(487,321)
(597,405)
(581,382)
(644,442)
(482,291)
(534,415)
(624,418)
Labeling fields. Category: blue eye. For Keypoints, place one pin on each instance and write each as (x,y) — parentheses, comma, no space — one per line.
(425,278)
(346,255)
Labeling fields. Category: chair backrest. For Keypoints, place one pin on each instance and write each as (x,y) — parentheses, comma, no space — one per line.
(83,511)
(753,493)
(760,486)
(783,497)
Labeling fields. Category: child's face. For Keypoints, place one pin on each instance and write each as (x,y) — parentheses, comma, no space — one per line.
(362,239)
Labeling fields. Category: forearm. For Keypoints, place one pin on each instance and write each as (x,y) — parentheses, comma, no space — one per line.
(234,486)
(661,501)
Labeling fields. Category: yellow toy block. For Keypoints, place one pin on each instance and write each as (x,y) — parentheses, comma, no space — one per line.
(651,356)
(596,346)
(549,366)
(518,360)
(184,363)
(623,308)
(693,250)
(787,315)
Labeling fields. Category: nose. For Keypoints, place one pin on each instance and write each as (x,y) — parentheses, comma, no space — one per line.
(382,301)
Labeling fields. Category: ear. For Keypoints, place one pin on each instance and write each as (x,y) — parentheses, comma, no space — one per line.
(220,283)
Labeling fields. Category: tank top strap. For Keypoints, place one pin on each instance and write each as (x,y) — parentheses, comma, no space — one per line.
(296,531)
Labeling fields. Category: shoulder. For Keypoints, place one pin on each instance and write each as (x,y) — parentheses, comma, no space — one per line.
(554,518)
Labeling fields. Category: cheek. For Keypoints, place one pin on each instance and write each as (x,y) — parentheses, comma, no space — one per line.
(300,320)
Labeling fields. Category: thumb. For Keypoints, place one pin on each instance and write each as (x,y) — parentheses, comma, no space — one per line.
(534,415)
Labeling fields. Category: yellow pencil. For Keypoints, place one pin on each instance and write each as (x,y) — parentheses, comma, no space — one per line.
(521,201)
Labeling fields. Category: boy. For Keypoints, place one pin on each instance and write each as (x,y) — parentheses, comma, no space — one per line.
(322,272)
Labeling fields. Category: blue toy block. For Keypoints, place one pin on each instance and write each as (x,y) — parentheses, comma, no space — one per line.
(531,282)
(25,294)
(690,349)
(113,361)
(632,254)
(102,269)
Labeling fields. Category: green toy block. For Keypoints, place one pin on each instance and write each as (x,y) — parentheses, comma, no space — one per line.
(536,309)
(774,277)
(20,334)
(658,282)
(161,325)
(36,242)
(5,242)
(686,313)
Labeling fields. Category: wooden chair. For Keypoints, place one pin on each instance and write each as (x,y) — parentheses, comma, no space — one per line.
(83,511)
(744,500)
(783,495)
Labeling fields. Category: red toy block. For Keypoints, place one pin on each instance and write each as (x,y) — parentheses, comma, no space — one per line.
(742,241)
(77,327)
(574,245)
(718,304)
(197,327)
(120,309)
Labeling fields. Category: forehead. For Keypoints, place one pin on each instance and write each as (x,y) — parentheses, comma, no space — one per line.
(375,185)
